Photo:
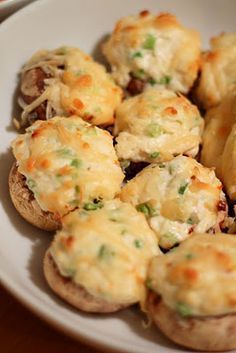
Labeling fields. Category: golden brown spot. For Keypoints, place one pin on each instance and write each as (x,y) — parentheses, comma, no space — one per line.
(191,274)
(232,301)
(171,110)
(84,81)
(64,170)
(36,133)
(166,19)
(78,103)
(224,260)
(67,242)
(197,185)
(211,56)
(144,13)
(85,145)
(88,117)
(129,28)
(45,163)
(57,216)
(30,164)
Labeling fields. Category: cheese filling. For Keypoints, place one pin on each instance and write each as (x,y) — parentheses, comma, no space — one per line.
(65,162)
(157,125)
(198,277)
(178,198)
(155,49)
(78,86)
(106,251)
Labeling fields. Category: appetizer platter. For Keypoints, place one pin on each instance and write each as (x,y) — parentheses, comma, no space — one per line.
(118,171)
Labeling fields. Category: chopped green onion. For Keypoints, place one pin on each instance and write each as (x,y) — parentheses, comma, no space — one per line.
(137,54)
(161,165)
(70,272)
(31,184)
(152,81)
(77,189)
(138,243)
(189,256)
(190,221)
(76,163)
(104,253)
(125,164)
(170,238)
(154,155)
(171,169)
(74,202)
(92,206)
(183,188)
(147,209)
(149,42)
(139,74)
(65,152)
(153,130)
(183,309)
(165,80)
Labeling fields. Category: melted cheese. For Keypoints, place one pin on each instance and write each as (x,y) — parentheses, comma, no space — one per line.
(154,48)
(65,162)
(106,251)
(157,125)
(198,277)
(78,85)
(179,197)
(218,70)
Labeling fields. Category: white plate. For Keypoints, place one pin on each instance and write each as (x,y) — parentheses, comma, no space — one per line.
(83,23)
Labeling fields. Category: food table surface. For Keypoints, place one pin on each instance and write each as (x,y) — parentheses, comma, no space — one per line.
(22,332)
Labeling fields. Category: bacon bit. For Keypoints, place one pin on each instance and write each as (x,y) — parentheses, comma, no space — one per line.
(71,111)
(78,103)
(45,163)
(190,230)
(36,133)
(221,206)
(88,117)
(171,110)
(193,177)
(191,274)
(144,13)
(30,164)
(84,81)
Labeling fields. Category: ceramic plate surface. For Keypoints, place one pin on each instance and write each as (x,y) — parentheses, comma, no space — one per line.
(82,23)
